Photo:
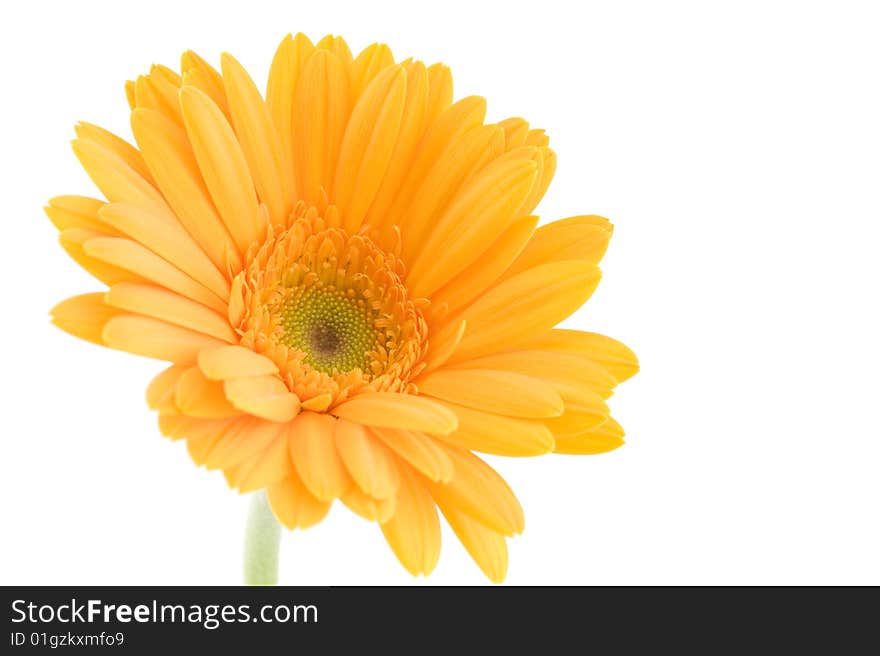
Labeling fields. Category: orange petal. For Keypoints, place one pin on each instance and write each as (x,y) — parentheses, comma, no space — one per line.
(223,167)
(129,154)
(367,145)
(270,466)
(577,379)
(270,166)
(155,339)
(371,509)
(474,280)
(370,464)
(84,316)
(262,396)
(294,505)
(283,78)
(235,362)
(171,307)
(497,434)
(539,298)
(162,234)
(413,532)
(420,451)
(480,492)
(320,112)
(196,396)
(314,454)
(485,205)
(576,238)
(130,255)
(392,410)
(160,392)
(117,180)
(606,437)
(67,212)
(168,154)
(499,392)
(488,548)
(614,356)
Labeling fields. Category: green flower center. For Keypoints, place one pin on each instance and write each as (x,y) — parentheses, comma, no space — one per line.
(333,329)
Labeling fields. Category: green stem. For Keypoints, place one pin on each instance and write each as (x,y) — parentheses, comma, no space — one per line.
(261,541)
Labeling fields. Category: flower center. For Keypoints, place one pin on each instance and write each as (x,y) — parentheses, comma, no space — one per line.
(335,331)
(331,311)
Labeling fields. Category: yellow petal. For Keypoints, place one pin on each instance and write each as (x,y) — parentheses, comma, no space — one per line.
(547,169)
(128,153)
(134,257)
(470,152)
(294,505)
(367,145)
(155,339)
(155,93)
(576,238)
(73,242)
(367,65)
(539,298)
(318,403)
(314,454)
(485,205)
(167,238)
(614,356)
(320,112)
(271,167)
(244,439)
(371,509)
(204,431)
(392,410)
(606,437)
(488,548)
(500,392)
(84,316)
(171,307)
(515,131)
(202,435)
(577,419)
(413,532)
(338,47)
(290,57)
(420,451)
(412,126)
(168,154)
(577,379)
(223,167)
(235,362)
(440,90)
(200,74)
(270,466)
(474,280)
(370,464)
(454,121)
(160,391)
(443,344)
(498,434)
(197,396)
(116,179)
(262,396)
(480,492)
(68,212)
(129,94)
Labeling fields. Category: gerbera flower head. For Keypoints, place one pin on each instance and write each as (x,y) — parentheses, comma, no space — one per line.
(347,281)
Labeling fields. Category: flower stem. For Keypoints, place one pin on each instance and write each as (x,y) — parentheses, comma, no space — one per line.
(261,541)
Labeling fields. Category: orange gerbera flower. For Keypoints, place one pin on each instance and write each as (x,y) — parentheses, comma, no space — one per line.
(347,281)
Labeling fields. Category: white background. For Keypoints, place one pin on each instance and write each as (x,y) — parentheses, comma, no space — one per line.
(736,146)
